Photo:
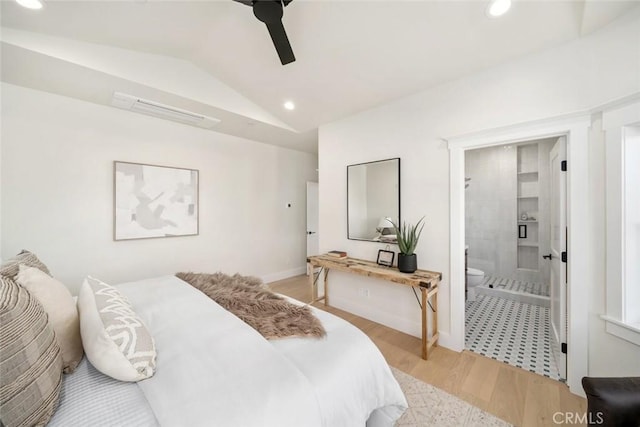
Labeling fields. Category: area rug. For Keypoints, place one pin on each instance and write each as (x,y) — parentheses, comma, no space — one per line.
(430,406)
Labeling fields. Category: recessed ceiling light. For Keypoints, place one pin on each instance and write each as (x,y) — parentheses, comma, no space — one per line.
(498,8)
(31,4)
(289,105)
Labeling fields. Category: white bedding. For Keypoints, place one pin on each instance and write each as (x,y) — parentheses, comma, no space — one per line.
(349,374)
(214,370)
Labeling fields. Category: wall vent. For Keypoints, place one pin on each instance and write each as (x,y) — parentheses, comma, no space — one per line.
(156,109)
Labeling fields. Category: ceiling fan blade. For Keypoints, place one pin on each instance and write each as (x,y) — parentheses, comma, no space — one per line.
(247,2)
(281,42)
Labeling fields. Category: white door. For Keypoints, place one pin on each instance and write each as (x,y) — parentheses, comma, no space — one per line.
(558,239)
(312,219)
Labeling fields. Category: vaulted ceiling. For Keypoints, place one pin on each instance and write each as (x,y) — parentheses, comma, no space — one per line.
(351,55)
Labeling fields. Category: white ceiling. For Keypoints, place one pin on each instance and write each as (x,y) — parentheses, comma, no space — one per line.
(351,55)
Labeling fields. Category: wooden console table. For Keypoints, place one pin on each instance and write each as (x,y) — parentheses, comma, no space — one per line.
(426,281)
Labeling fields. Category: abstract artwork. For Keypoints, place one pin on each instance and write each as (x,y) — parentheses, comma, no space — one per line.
(154,201)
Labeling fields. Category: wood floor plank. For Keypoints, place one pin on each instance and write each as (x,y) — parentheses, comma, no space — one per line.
(509,394)
(542,401)
(458,373)
(481,379)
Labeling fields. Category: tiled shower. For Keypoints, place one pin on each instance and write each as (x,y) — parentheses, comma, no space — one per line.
(507,232)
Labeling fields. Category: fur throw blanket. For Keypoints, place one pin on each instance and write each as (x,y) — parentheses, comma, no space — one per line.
(251,301)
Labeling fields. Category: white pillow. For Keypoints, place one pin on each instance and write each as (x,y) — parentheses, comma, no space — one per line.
(115,339)
(60,307)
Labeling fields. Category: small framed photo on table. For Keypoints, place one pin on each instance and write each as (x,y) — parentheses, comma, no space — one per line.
(385,258)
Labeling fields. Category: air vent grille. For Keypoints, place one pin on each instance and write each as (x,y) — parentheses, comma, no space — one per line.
(156,109)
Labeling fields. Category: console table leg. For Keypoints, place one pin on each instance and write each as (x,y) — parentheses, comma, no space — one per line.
(326,286)
(312,279)
(425,354)
(436,334)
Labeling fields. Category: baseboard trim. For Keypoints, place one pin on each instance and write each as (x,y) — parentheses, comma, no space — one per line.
(445,341)
(386,319)
(413,328)
(281,275)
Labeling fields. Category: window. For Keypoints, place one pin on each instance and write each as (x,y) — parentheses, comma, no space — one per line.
(622,128)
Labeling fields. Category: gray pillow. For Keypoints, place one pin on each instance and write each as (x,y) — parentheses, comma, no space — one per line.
(30,360)
(10,267)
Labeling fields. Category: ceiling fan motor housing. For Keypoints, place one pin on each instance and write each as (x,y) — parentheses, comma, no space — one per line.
(268,11)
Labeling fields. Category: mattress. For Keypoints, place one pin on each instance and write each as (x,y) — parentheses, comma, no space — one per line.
(213,369)
(90,398)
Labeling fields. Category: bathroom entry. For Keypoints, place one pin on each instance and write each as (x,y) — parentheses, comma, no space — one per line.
(558,255)
(515,232)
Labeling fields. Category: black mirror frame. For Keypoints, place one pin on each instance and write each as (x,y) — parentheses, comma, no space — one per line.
(399,196)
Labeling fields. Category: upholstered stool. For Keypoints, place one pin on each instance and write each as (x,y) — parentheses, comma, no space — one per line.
(613,401)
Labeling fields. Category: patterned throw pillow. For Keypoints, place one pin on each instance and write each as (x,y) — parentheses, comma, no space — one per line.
(30,360)
(11,267)
(61,309)
(115,339)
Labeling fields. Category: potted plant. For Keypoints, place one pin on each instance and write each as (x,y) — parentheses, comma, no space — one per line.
(408,236)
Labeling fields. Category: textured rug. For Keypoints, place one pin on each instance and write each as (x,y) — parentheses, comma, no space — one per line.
(430,406)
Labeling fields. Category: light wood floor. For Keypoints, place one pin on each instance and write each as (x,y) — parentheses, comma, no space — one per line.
(517,396)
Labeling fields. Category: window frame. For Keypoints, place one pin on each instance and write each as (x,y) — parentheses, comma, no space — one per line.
(617,124)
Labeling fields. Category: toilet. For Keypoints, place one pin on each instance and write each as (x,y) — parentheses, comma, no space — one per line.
(474,278)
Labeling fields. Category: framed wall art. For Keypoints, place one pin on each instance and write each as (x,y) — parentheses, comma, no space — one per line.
(154,201)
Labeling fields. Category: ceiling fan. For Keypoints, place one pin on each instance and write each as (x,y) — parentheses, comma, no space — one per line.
(270,12)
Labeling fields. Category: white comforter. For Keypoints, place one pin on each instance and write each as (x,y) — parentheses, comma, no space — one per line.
(215,370)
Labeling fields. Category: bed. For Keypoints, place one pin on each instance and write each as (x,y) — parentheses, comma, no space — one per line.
(213,369)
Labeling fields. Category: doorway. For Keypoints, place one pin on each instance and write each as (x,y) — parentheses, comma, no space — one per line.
(575,128)
(313,242)
(514,199)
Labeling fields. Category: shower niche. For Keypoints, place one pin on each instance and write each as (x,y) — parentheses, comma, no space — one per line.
(528,194)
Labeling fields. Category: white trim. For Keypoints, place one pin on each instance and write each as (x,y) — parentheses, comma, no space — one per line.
(622,330)
(617,103)
(575,126)
(281,275)
(457,247)
(444,339)
(519,132)
(613,123)
(411,327)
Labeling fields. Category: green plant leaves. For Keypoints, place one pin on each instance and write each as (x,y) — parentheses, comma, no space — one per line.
(408,236)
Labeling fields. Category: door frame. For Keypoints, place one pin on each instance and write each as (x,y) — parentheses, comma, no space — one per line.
(575,127)
(317,185)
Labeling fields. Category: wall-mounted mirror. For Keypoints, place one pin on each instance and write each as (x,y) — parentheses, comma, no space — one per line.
(373,200)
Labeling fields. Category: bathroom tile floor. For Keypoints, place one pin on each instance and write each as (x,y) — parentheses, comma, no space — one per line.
(512,332)
(516,285)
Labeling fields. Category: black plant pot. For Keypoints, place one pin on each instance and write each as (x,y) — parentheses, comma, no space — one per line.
(407,263)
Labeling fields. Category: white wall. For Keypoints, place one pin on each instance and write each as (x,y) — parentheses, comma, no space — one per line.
(1,109)
(57,193)
(574,77)
(490,210)
(168,74)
